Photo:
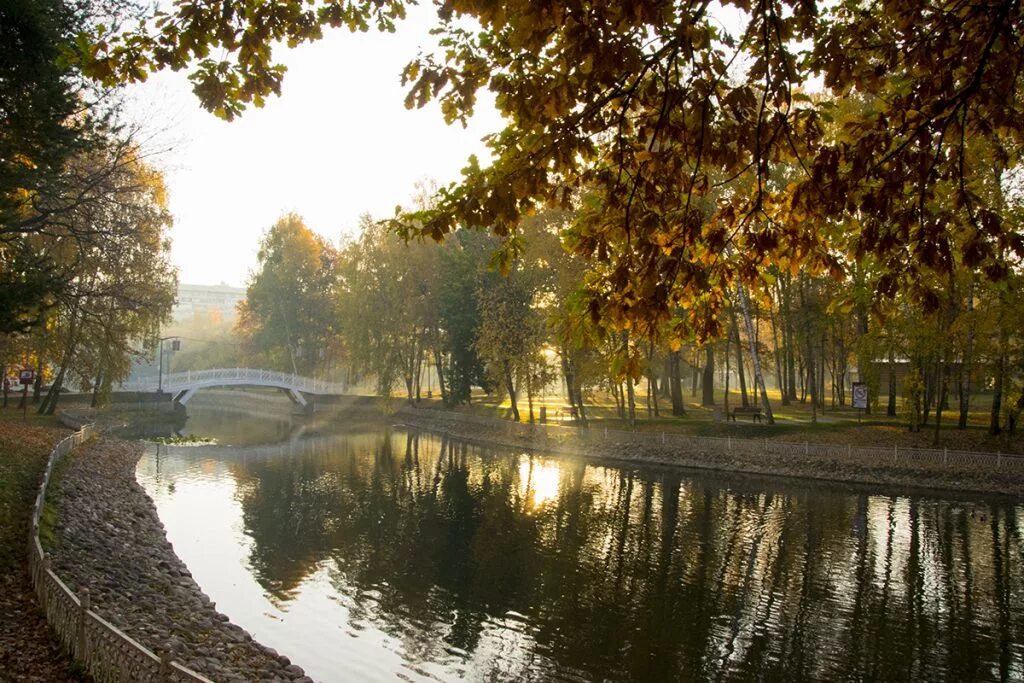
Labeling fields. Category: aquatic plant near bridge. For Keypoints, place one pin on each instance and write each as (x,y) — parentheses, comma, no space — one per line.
(186,440)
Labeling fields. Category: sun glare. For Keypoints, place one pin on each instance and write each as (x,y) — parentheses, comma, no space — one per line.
(538,483)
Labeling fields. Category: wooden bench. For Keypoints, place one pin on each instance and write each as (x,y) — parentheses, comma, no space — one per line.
(753,411)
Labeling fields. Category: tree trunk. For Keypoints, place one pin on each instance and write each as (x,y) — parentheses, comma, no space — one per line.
(49,403)
(803,380)
(652,381)
(779,366)
(725,396)
(891,408)
(744,401)
(676,384)
(766,406)
(96,389)
(664,386)
(994,427)
(812,389)
(790,342)
(821,376)
(708,388)
(1013,414)
(409,369)
(567,375)
(419,369)
(931,389)
(942,377)
(647,399)
(810,383)
(631,395)
(967,362)
(864,362)
(410,387)
(511,388)
(440,376)
(529,398)
(654,397)
(37,385)
(579,400)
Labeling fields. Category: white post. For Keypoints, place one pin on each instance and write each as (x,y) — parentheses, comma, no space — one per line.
(165,665)
(83,617)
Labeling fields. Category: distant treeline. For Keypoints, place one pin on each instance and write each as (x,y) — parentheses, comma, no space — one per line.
(514,315)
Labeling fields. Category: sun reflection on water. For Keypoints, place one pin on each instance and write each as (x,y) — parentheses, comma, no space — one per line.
(538,481)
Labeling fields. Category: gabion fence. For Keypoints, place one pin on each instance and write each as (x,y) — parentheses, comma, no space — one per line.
(104,651)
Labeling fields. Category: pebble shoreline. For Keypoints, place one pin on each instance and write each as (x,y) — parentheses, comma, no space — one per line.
(906,476)
(110,541)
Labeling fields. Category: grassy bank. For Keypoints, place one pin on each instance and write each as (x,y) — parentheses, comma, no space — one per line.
(27,649)
(841,425)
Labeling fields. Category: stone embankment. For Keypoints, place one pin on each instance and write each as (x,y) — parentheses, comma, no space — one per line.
(108,540)
(745,456)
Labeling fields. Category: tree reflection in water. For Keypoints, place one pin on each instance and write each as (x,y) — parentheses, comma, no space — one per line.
(498,565)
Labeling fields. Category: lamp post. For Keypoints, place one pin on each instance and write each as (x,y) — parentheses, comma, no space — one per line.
(160,373)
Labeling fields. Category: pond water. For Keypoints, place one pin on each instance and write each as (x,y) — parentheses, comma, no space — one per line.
(376,553)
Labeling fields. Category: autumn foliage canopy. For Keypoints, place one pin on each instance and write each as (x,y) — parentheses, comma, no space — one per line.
(702,146)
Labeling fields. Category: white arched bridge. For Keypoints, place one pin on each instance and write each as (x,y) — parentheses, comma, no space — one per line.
(184,385)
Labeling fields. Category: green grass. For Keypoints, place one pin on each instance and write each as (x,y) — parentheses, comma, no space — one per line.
(24,449)
(792,422)
(48,520)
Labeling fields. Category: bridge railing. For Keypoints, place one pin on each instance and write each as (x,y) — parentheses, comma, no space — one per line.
(178,381)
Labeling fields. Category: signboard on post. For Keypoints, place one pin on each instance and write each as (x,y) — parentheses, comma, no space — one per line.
(860,395)
(28,375)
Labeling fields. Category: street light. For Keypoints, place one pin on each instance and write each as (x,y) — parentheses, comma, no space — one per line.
(175,346)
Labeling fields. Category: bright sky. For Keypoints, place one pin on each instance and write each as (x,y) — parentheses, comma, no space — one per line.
(338,143)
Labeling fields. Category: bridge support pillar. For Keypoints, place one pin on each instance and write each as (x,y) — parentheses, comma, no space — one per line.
(185,396)
(296,397)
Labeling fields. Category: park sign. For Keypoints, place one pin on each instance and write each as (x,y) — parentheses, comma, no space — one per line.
(28,375)
(860,395)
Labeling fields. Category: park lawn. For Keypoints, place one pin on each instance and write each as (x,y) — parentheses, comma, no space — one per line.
(793,423)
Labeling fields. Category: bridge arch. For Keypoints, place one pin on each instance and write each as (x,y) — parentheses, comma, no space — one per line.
(184,385)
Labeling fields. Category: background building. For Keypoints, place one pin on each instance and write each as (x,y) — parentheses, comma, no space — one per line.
(216,301)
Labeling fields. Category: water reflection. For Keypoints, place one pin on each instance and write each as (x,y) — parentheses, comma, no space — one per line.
(385,553)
